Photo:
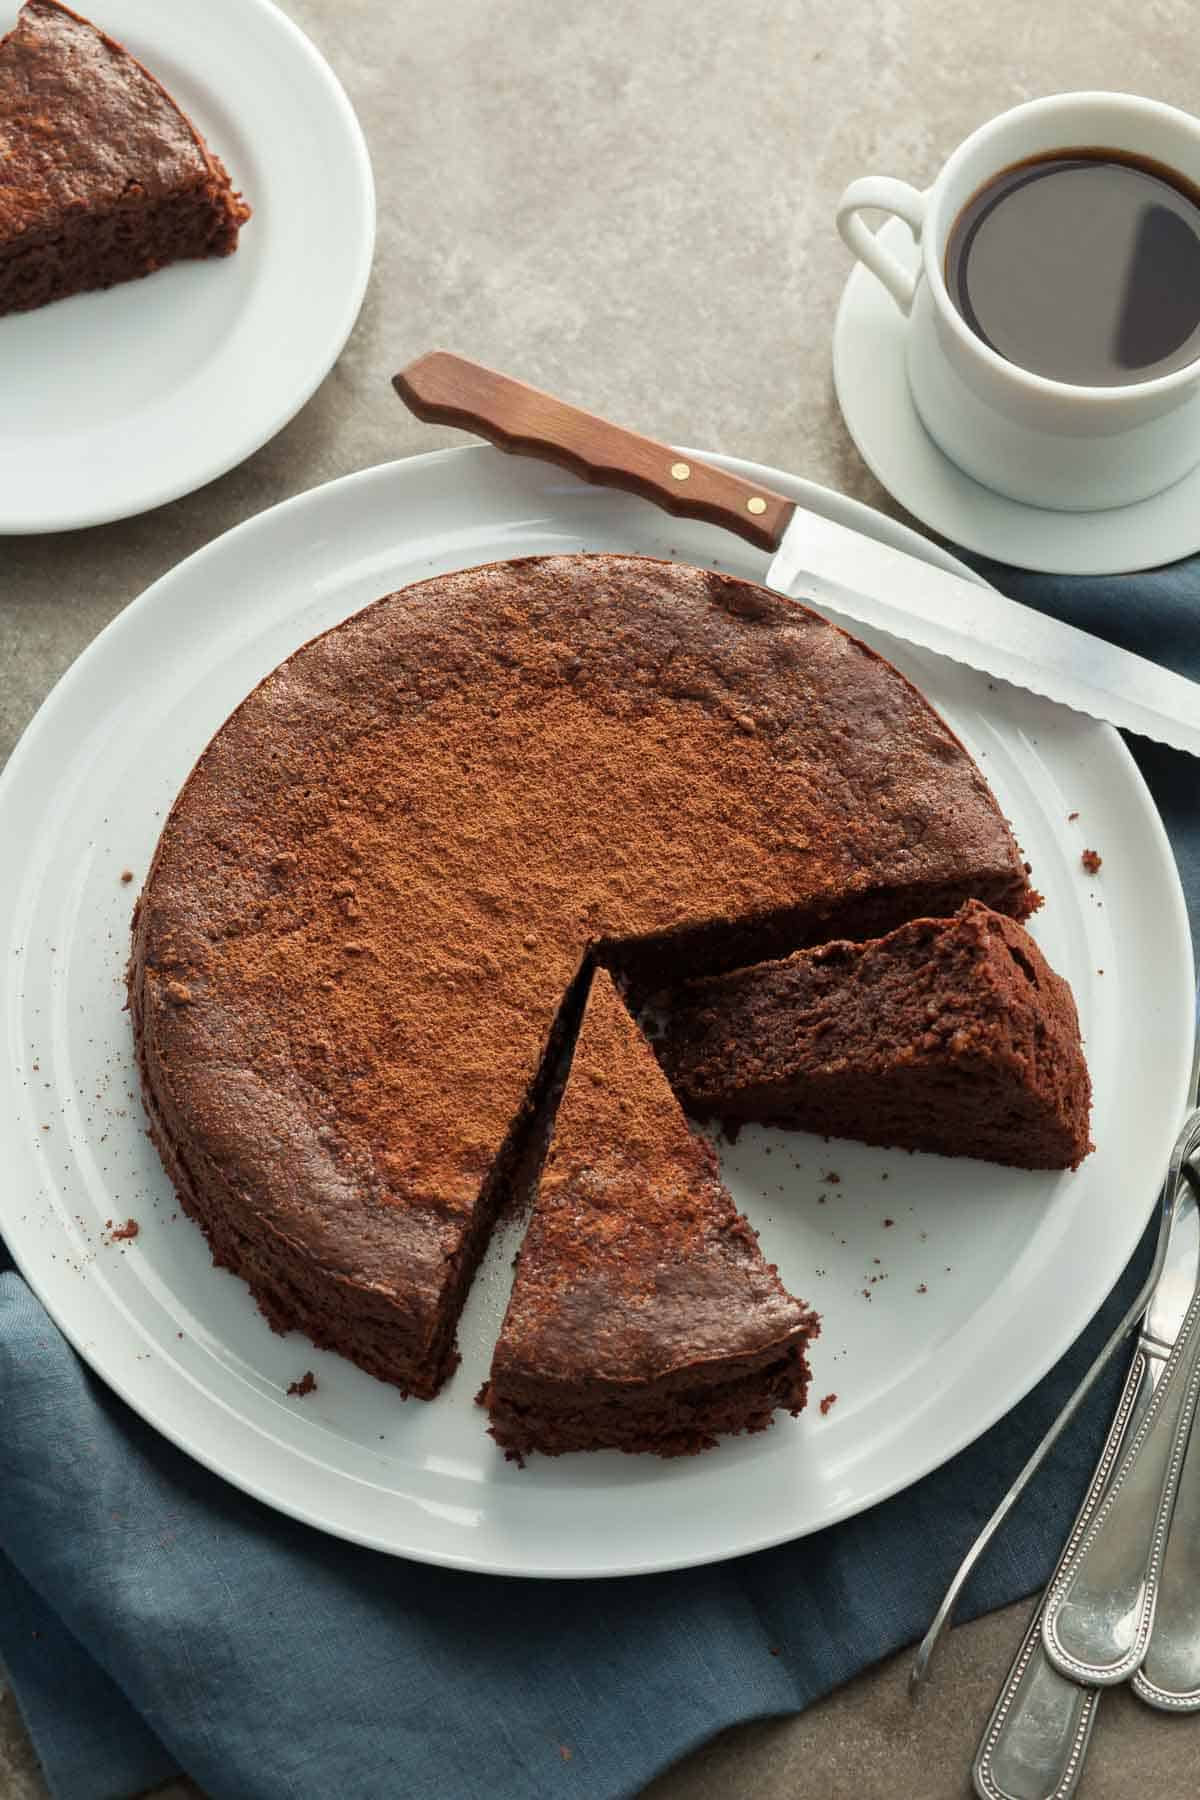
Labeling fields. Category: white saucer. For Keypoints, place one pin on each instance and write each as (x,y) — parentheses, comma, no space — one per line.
(872,390)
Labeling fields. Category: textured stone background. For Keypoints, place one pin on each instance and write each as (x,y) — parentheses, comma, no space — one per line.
(630,203)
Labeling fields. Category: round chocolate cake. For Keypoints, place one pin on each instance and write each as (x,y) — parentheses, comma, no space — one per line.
(366,931)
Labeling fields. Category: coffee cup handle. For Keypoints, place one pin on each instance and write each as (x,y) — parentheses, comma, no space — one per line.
(884,194)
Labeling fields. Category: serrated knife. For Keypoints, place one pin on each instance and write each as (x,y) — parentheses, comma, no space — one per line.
(815,559)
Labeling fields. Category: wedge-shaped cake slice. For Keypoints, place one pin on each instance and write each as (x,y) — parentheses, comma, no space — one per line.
(952,1035)
(644,1316)
(102,177)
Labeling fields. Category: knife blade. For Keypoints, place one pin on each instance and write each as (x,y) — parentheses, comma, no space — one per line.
(815,558)
(878,586)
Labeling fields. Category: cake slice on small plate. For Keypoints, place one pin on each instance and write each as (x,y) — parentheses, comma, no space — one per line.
(953,1035)
(643,1316)
(103,178)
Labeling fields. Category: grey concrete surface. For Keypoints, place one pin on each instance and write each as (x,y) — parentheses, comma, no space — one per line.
(630,203)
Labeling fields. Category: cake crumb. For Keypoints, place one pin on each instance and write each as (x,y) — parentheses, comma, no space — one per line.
(307,1384)
(921,1288)
(829,1401)
(775,1650)
(129,1229)
(1091,861)
(1071,818)
(888,1223)
(832,1176)
(126,874)
(566,1752)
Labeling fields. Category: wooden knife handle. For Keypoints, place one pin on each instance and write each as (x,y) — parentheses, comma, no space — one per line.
(450,390)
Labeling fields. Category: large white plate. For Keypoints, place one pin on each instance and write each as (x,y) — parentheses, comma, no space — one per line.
(982,1280)
(119,401)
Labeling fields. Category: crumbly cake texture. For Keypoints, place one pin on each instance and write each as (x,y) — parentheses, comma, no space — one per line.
(396,857)
(953,1035)
(643,1316)
(102,177)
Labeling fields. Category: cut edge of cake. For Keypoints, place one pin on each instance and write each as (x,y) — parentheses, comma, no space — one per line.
(643,1315)
(952,1035)
(411,1348)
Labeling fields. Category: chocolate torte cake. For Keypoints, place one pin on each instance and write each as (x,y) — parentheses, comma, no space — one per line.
(102,177)
(952,1035)
(357,950)
(643,1316)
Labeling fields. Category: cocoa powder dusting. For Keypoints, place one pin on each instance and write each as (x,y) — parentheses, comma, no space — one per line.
(491,818)
(384,872)
(635,1248)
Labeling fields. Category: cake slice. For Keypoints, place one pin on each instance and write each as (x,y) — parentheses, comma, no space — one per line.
(643,1315)
(102,177)
(953,1035)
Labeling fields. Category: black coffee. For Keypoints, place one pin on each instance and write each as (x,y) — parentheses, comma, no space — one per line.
(1083,266)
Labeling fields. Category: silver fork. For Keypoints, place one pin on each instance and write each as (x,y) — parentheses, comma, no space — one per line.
(1134,1313)
(1036,1740)
(1169,1678)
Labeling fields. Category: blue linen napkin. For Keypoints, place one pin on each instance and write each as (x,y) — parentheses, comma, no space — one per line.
(153,1618)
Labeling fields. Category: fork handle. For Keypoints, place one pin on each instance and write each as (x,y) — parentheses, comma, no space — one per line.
(1037,1738)
(451,390)
(1035,1742)
(1100,1611)
(1169,1678)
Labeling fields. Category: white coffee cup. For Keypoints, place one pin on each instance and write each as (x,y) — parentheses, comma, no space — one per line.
(1048,443)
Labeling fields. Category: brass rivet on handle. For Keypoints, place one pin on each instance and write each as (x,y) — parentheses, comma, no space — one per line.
(756,505)
(680,471)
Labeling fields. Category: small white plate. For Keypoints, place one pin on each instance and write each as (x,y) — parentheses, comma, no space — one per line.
(934,1324)
(116,402)
(872,389)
